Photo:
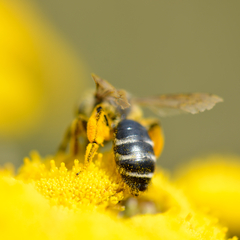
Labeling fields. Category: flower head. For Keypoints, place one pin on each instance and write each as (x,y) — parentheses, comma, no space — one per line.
(96,187)
(213,184)
(48,200)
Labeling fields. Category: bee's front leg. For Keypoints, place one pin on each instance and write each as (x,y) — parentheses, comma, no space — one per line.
(98,131)
(76,129)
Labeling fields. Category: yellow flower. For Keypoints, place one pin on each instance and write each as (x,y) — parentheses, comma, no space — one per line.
(97,187)
(213,184)
(47,200)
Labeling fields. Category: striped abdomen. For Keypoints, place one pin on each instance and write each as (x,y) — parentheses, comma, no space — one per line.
(134,154)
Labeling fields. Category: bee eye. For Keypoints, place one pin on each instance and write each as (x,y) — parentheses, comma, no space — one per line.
(99,109)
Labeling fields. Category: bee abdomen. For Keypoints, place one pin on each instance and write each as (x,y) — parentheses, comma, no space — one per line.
(134,154)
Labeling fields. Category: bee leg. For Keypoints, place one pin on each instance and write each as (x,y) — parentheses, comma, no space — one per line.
(77,128)
(90,153)
(155,132)
(98,131)
(63,145)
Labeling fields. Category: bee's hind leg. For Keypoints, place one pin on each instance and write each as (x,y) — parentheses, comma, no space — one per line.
(156,134)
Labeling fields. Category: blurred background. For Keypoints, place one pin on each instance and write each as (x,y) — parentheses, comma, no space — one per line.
(50,47)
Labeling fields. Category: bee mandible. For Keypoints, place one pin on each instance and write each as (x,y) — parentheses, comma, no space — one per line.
(114,115)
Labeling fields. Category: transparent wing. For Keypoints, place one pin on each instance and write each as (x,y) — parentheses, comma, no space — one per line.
(107,92)
(171,104)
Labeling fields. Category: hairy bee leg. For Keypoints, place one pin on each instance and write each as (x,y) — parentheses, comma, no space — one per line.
(77,128)
(63,145)
(98,131)
(155,132)
(90,153)
(75,133)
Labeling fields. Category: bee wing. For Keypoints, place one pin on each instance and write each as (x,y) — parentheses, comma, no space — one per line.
(171,104)
(105,91)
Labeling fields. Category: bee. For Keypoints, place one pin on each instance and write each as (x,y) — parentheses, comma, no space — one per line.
(114,115)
